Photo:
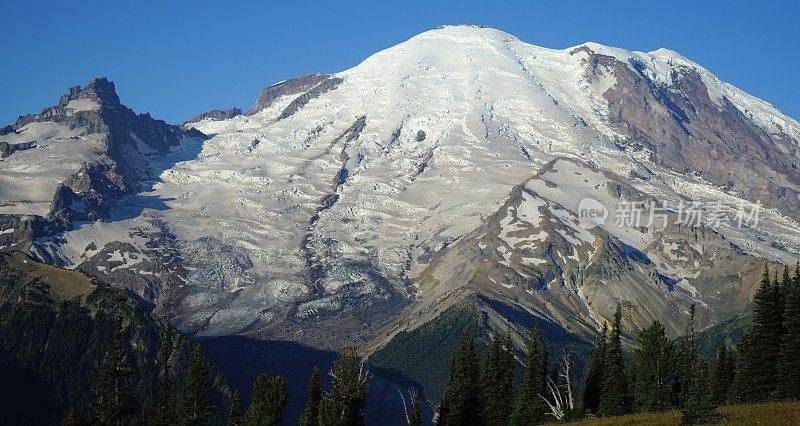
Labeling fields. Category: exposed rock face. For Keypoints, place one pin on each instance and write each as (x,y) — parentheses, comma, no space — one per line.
(289,87)
(70,207)
(687,131)
(17,232)
(310,86)
(86,196)
(534,256)
(316,91)
(8,149)
(6,130)
(216,114)
(85,112)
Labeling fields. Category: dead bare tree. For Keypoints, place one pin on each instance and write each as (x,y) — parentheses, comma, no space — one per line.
(412,393)
(562,398)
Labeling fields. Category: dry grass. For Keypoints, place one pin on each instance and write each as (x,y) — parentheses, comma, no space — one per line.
(769,414)
(666,418)
(64,284)
(773,413)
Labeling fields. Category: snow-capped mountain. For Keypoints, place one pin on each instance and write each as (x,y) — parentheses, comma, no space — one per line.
(343,208)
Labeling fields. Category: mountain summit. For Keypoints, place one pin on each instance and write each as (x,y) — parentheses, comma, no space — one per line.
(452,169)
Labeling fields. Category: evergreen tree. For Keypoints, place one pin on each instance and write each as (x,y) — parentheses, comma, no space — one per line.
(164,411)
(269,399)
(497,381)
(196,409)
(699,408)
(489,381)
(345,403)
(138,419)
(508,366)
(545,365)
(311,412)
(73,418)
(724,373)
(759,348)
(779,300)
(235,410)
(449,389)
(615,398)
(530,408)
(785,287)
(687,357)
(276,400)
(653,363)
(415,417)
(114,404)
(464,407)
(788,371)
(593,387)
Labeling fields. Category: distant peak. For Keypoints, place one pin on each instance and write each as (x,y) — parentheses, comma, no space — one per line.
(442,27)
(100,89)
(592,45)
(470,30)
(669,53)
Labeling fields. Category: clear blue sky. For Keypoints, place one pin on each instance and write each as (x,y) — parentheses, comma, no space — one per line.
(176,59)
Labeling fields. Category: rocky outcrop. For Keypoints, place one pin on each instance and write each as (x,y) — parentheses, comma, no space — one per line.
(686,131)
(70,207)
(288,87)
(17,232)
(216,114)
(7,130)
(7,149)
(325,86)
(86,196)
(80,107)
(96,108)
(309,86)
